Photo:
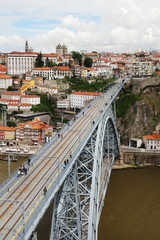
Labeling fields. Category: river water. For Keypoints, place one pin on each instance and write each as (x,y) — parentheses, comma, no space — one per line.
(131,210)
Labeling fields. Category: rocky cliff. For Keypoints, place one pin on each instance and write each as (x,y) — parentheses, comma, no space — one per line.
(143,117)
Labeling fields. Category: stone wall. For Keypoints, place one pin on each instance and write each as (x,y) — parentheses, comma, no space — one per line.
(141,158)
(140,83)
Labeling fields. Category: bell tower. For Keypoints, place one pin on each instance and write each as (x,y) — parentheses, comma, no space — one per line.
(26,46)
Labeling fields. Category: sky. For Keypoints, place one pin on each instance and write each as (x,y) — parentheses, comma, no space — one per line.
(88,25)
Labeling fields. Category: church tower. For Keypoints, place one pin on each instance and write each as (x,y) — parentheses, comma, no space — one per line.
(26,47)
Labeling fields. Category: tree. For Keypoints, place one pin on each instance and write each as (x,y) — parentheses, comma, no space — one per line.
(77,57)
(157,70)
(47,62)
(39,62)
(11,124)
(88,62)
(10,88)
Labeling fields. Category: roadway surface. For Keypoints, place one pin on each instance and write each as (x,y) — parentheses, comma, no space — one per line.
(16,203)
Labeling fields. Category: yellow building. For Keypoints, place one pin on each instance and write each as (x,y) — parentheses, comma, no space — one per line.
(27,84)
(9,133)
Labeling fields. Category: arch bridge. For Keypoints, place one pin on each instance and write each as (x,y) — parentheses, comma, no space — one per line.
(75,168)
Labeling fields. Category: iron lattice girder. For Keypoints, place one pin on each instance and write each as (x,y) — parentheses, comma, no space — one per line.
(78,205)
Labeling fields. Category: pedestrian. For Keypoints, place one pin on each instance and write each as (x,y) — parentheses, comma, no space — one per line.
(58,134)
(67,161)
(45,191)
(61,135)
(70,155)
(29,160)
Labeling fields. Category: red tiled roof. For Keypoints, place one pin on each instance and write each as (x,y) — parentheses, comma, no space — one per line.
(23,53)
(25,104)
(153,136)
(42,68)
(31,96)
(87,93)
(3,76)
(61,68)
(49,55)
(7,128)
(8,100)
(11,93)
(91,54)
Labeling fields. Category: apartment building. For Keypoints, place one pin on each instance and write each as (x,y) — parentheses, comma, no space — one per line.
(45,88)
(19,106)
(7,133)
(57,72)
(94,56)
(31,99)
(142,69)
(63,104)
(5,81)
(81,99)
(33,131)
(11,96)
(104,71)
(19,99)
(152,142)
(20,62)
(51,57)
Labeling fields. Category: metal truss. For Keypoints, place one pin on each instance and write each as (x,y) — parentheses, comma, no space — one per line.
(78,204)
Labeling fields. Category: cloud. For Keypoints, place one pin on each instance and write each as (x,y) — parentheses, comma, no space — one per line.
(98,25)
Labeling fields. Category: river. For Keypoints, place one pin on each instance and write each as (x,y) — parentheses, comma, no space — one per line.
(131,210)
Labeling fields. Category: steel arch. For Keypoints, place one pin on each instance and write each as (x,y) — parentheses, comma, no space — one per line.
(78,204)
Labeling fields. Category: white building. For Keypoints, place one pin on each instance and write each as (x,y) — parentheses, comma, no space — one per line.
(51,57)
(19,98)
(8,101)
(5,81)
(104,71)
(63,104)
(20,62)
(142,69)
(52,73)
(11,95)
(30,99)
(19,107)
(81,99)
(152,142)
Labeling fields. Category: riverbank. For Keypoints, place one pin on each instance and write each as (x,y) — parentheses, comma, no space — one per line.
(127,166)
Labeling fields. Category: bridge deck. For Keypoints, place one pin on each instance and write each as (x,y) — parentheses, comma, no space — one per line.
(19,203)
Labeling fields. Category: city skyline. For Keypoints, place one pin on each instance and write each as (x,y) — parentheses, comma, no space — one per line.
(119,26)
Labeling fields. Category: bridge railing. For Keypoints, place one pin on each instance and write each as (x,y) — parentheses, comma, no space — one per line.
(34,158)
(53,185)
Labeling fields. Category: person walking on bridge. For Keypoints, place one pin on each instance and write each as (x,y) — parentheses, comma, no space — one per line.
(45,191)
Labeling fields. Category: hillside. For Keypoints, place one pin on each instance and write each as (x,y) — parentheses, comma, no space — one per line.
(138,114)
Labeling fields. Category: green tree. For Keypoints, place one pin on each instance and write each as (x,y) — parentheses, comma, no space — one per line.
(47,62)
(39,62)
(77,57)
(11,124)
(51,64)
(10,88)
(88,62)
(157,70)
